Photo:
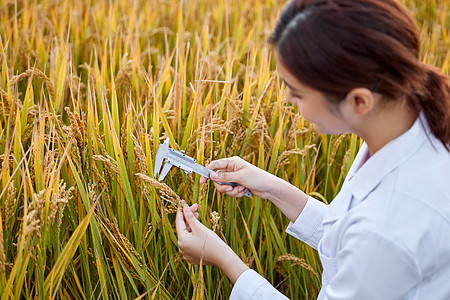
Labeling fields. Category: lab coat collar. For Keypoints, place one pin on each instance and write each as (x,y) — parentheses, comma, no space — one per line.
(367,176)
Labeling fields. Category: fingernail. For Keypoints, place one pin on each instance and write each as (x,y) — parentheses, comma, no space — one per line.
(213,176)
(241,188)
(228,188)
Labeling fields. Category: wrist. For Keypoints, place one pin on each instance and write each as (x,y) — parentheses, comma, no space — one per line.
(270,186)
(231,265)
(288,198)
(277,187)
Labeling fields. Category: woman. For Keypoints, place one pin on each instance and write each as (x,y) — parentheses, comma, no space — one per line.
(352,66)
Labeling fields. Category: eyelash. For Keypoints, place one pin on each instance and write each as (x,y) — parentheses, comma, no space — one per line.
(294,95)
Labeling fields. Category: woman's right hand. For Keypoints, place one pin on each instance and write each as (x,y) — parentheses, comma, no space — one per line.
(235,169)
(288,198)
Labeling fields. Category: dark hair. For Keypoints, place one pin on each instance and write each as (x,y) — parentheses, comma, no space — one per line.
(335,46)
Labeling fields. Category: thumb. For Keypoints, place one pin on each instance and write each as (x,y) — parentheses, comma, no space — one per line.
(180,223)
(225,176)
(189,216)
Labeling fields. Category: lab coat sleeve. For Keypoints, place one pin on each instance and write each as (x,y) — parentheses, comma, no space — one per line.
(251,285)
(308,226)
(371,266)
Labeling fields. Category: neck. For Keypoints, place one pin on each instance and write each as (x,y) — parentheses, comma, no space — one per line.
(386,124)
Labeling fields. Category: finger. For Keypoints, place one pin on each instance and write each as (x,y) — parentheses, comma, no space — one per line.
(184,207)
(237,191)
(180,223)
(196,215)
(203,180)
(241,192)
(226,176)
(221,164)
(241,189)
(194,207)
(189,216)
(223,188)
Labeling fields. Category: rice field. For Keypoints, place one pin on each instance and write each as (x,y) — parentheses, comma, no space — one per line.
(90,88)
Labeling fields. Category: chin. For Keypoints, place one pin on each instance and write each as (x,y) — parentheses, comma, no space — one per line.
(334,130)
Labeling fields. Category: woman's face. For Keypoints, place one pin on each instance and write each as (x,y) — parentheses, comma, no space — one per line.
(312,105)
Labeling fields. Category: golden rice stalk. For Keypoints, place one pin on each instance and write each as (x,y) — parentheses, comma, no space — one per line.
(262,129)
(78,130)
(124,76)
(203,192)
(10,204)
(27,133)
(2,254)
(109,161)
(35,73)
(336,145)
(31,163)
(78,126)
(271,108)
(215,125)
(296,261)
(104,183)
(59,202)
(215,217)
(283,159)
(296,132)
(240,131)
(122,239)
(32,223)
(123,140)
(149,230)
(207,113)
(49,163)
(107,172)
(38,204)
(167,194)
(75,87)
(250,261)
(345,162)
(101,144)
(4,96)
(170,114)
(140,165)
(123,245)
(235,124)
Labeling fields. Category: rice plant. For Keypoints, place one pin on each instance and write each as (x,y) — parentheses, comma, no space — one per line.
(88,91)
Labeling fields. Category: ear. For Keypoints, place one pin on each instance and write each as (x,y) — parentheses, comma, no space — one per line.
(359,101)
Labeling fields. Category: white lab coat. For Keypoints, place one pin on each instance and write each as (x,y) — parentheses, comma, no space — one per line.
(386,235)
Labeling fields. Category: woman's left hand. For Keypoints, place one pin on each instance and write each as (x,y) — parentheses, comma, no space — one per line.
(198,244)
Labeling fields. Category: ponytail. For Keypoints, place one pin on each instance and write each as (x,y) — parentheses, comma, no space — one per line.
(435,103)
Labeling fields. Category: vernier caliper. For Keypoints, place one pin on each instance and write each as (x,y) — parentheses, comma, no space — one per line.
(187,164)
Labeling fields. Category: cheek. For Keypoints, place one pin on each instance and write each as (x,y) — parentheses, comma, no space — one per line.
(305,110)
